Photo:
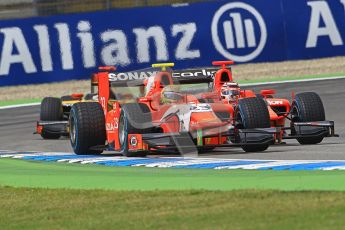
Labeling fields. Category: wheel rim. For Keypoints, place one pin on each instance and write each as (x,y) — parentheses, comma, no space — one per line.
(239,121)
(73,130)
(121,131)
(295,114)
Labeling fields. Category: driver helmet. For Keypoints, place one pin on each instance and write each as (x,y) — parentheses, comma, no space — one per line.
(230,91)
(171,94)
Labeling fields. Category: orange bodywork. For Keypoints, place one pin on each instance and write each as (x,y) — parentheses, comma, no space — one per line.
(135,142)
(200,120)
(204,120)
(278,108)
(39,129)
(112,125)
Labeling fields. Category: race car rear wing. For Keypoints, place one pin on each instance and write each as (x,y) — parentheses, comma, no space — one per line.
(136,78)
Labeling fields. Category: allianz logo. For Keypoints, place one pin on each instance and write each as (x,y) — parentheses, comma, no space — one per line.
(235,26)
(239,31)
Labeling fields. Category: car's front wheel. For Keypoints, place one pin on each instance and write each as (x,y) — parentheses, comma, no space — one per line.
(87,127)
(252,113)
(51,110)
(307,107)
(135,118)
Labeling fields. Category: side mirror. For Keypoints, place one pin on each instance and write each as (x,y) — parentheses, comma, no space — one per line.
(267,92)
(77,96)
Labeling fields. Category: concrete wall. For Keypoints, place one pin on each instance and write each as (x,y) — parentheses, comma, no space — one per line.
(24,9)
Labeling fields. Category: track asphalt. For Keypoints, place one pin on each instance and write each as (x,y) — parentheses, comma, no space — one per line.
(18,124)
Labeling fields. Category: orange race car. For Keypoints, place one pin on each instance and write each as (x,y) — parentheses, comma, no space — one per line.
(158,110)
(305,113)
(54,114)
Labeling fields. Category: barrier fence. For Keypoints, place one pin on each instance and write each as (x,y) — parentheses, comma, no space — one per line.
(31,8)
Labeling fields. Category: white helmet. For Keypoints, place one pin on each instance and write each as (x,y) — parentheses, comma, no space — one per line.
(230,91)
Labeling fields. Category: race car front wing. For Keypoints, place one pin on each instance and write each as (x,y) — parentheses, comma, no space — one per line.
(311,129)
(187,142)
(52,127)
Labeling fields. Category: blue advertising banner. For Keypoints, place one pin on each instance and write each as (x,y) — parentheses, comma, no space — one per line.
(72,46)
(314,28)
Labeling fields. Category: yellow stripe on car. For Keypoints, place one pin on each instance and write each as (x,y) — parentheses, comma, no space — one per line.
(163,65)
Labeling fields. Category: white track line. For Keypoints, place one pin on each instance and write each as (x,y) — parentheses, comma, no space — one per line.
(183,160)
(18,106)
(291,81)
(247,84)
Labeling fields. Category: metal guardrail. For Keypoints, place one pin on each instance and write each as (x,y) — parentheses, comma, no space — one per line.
(30,8)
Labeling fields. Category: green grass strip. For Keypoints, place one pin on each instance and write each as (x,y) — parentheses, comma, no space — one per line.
(19,102)
(24,208)
(20,173)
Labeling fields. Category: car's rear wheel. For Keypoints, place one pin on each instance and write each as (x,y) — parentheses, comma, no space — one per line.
(252,113)
(51,110)
(87,128)
(307,107)
(135,118)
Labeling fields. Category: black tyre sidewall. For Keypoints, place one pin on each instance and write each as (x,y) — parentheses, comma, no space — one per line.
(85,141)
(51,110)
(260,117)
(123,121)
(253,114)
(311,100)
(126,111)
(308,107)
(73,121)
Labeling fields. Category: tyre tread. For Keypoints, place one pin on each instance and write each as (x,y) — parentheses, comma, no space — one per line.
(254,115)
(51,110)
(310,108)
(91,127)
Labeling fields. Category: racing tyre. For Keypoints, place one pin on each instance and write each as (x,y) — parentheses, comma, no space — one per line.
(51,110)
(253,113)
(307,107)
(135,118)
(87,127)
(258,95)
